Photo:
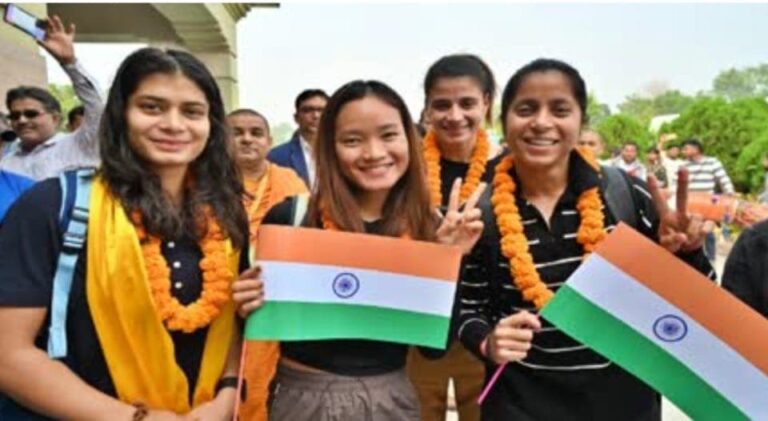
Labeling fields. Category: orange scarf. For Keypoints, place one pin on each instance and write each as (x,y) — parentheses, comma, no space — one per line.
(273,187)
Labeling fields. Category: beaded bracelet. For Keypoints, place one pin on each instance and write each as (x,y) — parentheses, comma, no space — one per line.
(142,411)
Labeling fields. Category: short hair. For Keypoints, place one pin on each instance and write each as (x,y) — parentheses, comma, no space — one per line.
(75,112)
(50,103)
(671,145)
(250,111)
(629,143)
(653,149)
(307,94)
(694,142)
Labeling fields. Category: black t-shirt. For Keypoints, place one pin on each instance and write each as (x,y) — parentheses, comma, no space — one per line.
(451,170)
(30,242)
(349,357)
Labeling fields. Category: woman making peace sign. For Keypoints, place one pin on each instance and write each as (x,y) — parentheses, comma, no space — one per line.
(547,211)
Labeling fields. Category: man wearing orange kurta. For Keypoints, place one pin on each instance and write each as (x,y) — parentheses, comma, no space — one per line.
(266,184)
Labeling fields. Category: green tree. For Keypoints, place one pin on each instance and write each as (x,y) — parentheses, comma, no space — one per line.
(596,110)
(619,128)
(749,165)
(726,129)
(739,83)
(645,108)
(65,94)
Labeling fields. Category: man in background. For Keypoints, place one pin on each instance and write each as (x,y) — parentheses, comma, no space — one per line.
(297,152)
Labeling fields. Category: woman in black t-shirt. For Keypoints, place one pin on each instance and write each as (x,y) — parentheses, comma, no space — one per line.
(150,326)
(547,211)
(370,180)
(458,99)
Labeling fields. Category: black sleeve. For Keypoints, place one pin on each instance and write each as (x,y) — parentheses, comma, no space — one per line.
(745,269)
(281,213)
(648,225)
(30,240)
(475,314)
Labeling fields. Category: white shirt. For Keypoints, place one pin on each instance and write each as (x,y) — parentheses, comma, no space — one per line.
(63,151)
(308,158)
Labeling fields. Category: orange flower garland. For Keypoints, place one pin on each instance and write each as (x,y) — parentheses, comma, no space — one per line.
(217,279)
(514,244)
(474,173)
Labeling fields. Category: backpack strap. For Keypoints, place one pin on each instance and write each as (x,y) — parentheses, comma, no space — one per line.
(300,205)
(73,219)
(617,188)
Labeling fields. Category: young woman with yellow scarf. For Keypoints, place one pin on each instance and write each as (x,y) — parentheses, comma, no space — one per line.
(151,327)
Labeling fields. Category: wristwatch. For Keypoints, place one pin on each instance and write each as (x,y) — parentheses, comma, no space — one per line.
(231,381)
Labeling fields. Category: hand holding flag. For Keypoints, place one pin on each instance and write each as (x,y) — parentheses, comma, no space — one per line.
(248,291)
(511,339)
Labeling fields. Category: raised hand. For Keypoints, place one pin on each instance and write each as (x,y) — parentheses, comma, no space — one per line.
(463,227)
(59,41)
(248,291)
(678,230)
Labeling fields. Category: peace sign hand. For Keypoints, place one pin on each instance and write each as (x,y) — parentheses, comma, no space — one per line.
(678,231)
(463,227)
(59,41)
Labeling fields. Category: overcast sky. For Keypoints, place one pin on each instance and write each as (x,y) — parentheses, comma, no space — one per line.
(619,48)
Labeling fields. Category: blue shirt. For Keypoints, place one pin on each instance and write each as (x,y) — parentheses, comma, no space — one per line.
(12,185)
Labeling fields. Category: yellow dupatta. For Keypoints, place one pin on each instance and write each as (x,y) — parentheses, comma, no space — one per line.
(137,347)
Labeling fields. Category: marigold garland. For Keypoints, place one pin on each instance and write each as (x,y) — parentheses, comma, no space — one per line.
(217,279)
(474,172)
(514,244)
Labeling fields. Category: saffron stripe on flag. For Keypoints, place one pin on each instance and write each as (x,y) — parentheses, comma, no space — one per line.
(617,341)
(724,315)
(297,321)
(616,292)
(364,251)
(302,282)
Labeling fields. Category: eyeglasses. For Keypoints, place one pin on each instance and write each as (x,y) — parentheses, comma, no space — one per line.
(28,114)
(309,110)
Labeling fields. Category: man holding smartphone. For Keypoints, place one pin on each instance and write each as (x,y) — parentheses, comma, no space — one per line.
(41,151)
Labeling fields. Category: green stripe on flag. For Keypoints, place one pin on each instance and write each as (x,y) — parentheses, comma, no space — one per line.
(601,331)
(300,321)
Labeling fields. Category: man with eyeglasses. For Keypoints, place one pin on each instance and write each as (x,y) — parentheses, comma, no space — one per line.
(41,151)
(297,152)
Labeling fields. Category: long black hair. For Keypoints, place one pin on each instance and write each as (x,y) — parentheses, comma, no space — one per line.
(214,177)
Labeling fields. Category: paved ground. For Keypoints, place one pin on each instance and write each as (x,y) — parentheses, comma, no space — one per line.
(669,411)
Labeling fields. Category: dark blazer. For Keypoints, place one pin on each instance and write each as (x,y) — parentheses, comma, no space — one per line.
(290,155)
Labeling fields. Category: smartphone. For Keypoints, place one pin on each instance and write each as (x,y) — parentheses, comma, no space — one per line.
(25,21)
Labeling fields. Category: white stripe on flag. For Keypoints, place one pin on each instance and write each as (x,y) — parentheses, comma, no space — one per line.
(303,282)
(704,353)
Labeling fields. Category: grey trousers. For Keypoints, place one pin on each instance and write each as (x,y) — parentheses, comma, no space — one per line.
(299,396)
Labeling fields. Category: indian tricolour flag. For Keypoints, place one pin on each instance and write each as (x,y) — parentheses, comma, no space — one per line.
(667,324)
(323,284)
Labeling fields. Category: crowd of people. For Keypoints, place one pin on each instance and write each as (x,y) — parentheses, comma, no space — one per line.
(125,242)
